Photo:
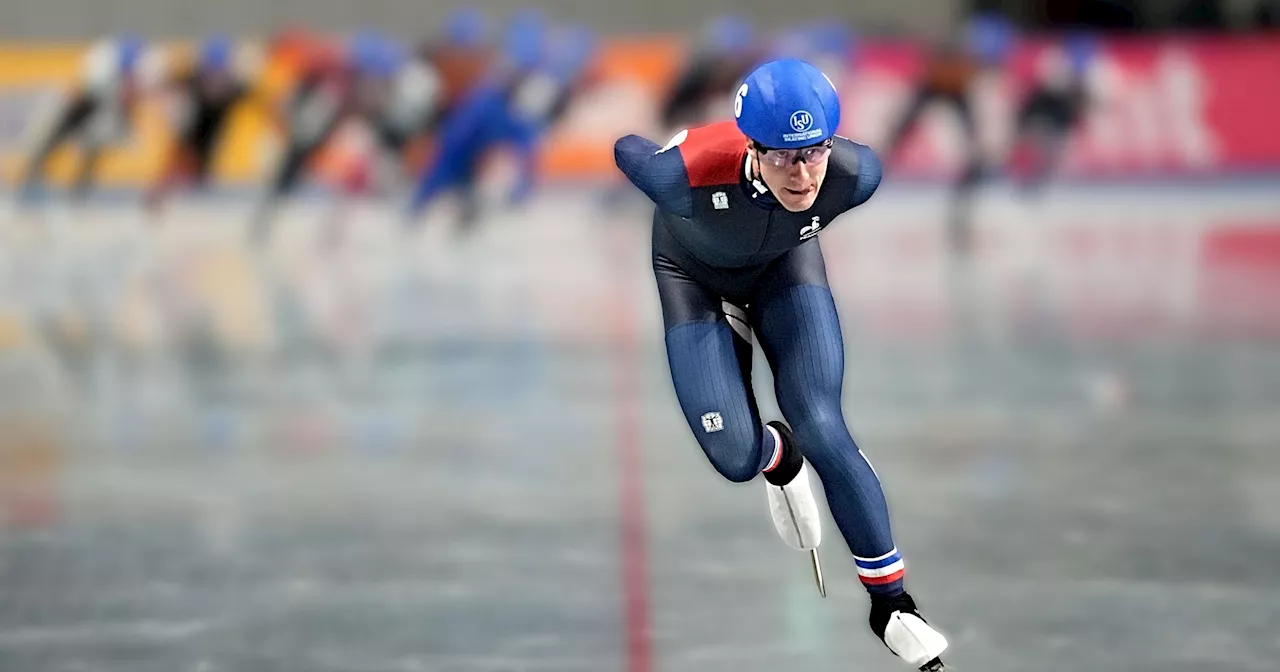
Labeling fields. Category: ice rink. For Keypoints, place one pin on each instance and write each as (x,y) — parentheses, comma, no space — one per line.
(361,451)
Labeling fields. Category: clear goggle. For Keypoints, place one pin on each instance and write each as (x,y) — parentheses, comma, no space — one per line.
(781,158)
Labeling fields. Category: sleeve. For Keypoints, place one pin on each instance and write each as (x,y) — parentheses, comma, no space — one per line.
(870,173)
(657,171)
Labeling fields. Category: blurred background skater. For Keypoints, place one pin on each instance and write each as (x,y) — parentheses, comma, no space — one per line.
(96,113)
(202,93)
(404,96)
(322,96)
(724,53)
(540,102)
(409,92)
(949,77)
(393,97)
(398,116)
(736,253)
(429,86)
(481,120)
(1054,107)
(458,56)
(527,90)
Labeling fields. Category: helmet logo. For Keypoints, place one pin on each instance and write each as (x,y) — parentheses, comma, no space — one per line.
(801,121)
(737,101)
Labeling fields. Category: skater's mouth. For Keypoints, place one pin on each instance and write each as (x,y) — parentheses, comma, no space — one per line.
(799,192)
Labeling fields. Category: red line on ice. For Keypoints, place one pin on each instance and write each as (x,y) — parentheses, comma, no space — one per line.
(635,551)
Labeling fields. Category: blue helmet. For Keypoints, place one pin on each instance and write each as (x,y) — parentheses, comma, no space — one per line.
(576,47)
(831,38)
(372,53)
(130,49)
(526,39)
(990,37)
(1081,49)
(466,27)
(731,34)
(787,104)
(216,53)
(791,43)
(815,40)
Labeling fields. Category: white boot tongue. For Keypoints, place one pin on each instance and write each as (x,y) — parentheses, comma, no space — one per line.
(912,640)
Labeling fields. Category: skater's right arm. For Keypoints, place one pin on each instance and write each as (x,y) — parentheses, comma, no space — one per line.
(657,171)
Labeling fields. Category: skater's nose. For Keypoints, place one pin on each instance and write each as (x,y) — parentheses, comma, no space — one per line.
(798,171)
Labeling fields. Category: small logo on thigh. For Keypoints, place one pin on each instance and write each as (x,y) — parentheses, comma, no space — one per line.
(712,422)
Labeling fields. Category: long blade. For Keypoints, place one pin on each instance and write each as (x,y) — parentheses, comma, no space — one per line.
(817,572)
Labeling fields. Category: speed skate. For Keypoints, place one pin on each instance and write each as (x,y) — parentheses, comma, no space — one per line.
(796,517)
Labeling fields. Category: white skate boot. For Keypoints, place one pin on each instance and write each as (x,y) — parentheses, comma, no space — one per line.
(898,623)
(795,510)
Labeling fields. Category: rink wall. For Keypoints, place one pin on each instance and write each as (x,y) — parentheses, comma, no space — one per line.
(1164,107)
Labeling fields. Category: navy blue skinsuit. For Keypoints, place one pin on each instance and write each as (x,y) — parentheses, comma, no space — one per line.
(728,258)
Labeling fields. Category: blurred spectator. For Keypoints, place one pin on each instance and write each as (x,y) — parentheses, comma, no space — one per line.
(1201,14)
(1266,13)
(1105,14)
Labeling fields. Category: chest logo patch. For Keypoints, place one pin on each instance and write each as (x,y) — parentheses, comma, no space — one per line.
(812,229)
(720,200)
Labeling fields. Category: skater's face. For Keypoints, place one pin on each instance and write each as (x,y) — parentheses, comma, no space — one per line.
(794,176)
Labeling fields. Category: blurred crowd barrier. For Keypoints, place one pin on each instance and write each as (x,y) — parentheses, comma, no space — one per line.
(1165,106)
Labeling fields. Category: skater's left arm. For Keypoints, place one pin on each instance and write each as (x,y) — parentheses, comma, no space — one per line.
(858,169)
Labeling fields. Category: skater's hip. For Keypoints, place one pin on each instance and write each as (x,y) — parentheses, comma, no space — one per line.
(673,263)
(689,287)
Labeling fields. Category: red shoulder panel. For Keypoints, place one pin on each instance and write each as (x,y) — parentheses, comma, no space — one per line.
(714,154)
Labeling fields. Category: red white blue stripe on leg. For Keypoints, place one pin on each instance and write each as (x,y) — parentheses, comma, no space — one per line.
(884,569)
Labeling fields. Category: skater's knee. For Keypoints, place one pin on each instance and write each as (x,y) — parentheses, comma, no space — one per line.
(738,469)
(738,460)
(817,429)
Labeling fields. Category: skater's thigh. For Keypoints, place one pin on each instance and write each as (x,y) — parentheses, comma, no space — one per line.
(683,298)
(689,301)
(709,352)
(795,317)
